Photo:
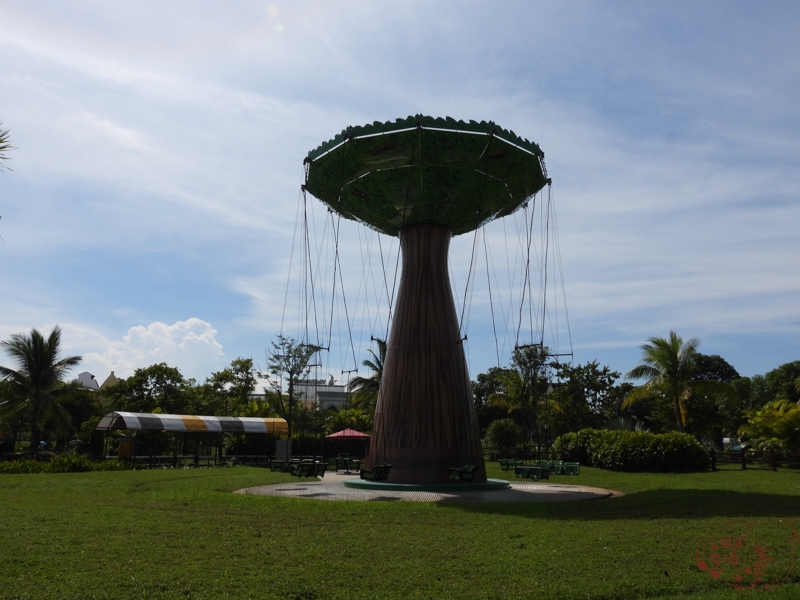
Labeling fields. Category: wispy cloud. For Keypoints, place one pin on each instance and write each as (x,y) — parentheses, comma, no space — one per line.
(159,163)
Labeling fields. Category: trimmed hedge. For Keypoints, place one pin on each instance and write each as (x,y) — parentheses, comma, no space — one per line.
(66,463)
(632,451)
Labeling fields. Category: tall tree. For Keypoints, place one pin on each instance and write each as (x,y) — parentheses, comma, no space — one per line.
(365,389)
(669,366)
(524,386)
(714,414)
(783,382)
(289,363)
(586,396)
(486,384)
(714,368)
(229,390)
(36,385)
(159,388)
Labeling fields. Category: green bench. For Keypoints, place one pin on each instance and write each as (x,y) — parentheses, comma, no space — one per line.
(465,473)
(509,463)
(344,463)
(376,473)
(309,469)
(558,467)
(534,472)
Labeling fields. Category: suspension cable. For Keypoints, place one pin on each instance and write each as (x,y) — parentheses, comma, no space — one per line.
(491,303)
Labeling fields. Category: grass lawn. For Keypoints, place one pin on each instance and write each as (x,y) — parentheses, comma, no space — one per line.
(182,534)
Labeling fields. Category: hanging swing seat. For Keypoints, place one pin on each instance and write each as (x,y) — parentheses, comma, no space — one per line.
(534,472)
(345,463)
(557,467)
(465,473)
(310,469)
(509,463)
(376,473)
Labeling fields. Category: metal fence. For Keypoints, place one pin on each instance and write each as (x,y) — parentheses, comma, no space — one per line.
(756,459)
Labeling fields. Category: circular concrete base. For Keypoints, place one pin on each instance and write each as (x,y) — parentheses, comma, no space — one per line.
(332,487)
(445,488)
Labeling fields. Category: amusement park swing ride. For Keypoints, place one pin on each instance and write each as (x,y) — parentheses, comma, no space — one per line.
(422,181)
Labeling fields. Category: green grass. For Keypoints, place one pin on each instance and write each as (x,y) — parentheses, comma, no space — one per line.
(182,534)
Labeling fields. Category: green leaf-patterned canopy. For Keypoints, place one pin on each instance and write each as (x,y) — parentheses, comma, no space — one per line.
(425,170)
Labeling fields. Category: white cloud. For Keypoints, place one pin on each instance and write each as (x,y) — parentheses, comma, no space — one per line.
(189,345)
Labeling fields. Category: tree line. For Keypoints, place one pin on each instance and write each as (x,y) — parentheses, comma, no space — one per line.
(536,398)
(40,408)
(532,400)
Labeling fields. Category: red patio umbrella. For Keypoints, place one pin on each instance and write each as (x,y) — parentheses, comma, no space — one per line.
(348,434)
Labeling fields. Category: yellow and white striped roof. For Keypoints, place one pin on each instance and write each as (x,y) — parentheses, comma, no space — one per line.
(162,422)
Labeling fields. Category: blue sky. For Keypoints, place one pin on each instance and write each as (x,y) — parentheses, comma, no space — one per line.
(151,209)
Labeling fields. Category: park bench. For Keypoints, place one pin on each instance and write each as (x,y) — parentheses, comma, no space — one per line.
(572,468)
(534,472)
(376,473)
(465,473)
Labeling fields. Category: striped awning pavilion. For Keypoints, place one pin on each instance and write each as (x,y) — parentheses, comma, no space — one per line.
(161,422)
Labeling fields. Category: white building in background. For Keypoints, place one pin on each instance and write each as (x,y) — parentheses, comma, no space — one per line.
(321,394)
(87,380)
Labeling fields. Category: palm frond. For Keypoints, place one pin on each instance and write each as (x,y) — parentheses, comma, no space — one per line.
(5,146)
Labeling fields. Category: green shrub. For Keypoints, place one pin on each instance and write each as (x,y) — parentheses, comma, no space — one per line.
(114,465)
(66,463)
(632,451)
(503,434)
(16,467)
(70,463)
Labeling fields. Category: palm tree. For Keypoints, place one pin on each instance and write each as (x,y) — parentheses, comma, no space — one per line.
(354,419)
(776,424)
(668,364)
(524,391)
(519,398)
(4,146)
(365,389)
(36,384)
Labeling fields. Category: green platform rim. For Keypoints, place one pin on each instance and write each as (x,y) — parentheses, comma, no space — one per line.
(449,488)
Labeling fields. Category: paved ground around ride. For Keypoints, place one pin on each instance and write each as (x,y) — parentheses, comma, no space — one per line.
(332,487)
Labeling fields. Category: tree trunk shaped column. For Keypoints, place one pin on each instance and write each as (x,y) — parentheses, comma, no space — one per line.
(425,419)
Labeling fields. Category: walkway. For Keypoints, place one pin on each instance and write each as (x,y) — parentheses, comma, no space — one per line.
(331,487)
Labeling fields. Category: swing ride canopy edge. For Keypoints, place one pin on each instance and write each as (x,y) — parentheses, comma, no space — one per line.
(118,420)
(412,122)
(422,170)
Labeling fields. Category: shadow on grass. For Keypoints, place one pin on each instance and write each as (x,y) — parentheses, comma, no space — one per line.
(650,504)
